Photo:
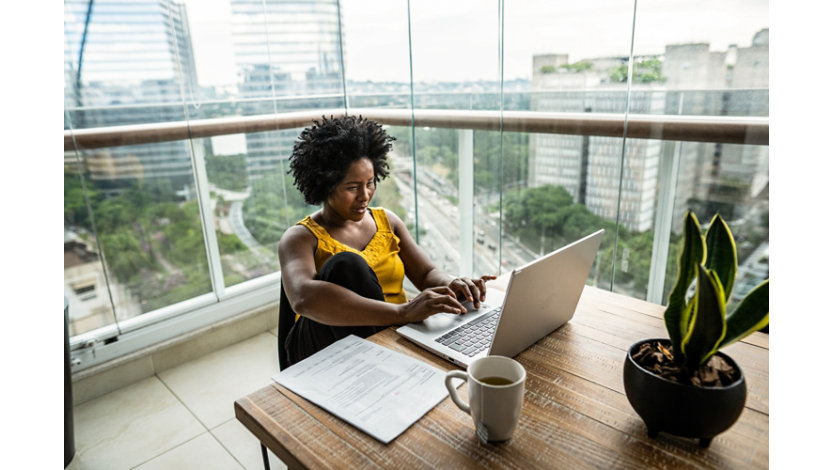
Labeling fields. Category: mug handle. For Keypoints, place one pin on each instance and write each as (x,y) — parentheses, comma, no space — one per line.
(453,393)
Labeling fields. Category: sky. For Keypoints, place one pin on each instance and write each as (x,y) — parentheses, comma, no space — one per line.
(459,40)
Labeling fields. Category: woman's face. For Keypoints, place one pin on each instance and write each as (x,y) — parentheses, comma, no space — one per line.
(352,195)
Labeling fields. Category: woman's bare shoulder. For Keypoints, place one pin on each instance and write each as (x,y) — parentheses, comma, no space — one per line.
(296,237)
(394,220)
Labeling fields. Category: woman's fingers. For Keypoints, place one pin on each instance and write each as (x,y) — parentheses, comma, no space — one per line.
(481,282)
(443,299)
(473,290)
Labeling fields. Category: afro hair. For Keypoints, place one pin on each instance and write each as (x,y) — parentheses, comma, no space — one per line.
(323,153)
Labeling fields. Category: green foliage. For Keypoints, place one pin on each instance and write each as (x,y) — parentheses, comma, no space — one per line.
(267,214)
(546,217)
(699,326)
(580,66)
(150,244)
(492,160)
(645,71)
(76,211)
(125,256)
(227,171)
(388,196)
(547,69)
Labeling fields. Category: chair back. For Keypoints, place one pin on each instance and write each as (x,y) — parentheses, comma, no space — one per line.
(286,319)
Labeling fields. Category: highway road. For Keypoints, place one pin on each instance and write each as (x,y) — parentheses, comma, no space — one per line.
(440,222)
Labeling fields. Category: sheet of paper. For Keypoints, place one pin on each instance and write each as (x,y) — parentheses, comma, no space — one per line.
(379,391)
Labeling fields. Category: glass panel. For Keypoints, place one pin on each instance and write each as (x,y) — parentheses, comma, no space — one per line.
(147,224)
(437,189)
(126,68)
(563,187)
(256,58)
(563,200)
(287,57)
(129,66)
(249,220)
(377,68)
(377,72)
(694,59)
(396,193)
(443,81)
(634,198)
(85,283)
(731,180)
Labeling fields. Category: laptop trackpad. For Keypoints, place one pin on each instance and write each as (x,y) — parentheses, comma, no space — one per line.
(440,322)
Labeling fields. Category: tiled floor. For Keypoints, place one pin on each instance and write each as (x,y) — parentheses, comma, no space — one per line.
(182,418)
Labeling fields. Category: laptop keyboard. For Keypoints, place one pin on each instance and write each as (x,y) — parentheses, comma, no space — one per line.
(473,337)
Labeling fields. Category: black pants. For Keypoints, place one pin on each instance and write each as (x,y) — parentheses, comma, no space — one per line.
(306,336)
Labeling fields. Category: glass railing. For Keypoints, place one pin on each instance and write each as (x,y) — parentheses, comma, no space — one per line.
(520,126)
(488,191)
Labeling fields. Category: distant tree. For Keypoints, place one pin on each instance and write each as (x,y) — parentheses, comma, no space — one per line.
(124,254)
(76,210)
(645,71)
(267,214)
(536,207)
(580,66)
(227,171)
(387,195)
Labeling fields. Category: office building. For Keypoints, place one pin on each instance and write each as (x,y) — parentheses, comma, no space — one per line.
(129,65)
(588,167)
(726,178)
(284,49)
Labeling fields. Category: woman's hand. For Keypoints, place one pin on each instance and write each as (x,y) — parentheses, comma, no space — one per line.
(428,302)
(473,290)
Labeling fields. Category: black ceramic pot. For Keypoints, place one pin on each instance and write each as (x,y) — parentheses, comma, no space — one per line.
(682,409)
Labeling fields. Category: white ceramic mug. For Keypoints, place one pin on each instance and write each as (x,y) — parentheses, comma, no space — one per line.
(496,392)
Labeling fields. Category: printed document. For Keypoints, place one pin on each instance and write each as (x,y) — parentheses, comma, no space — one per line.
(379,391)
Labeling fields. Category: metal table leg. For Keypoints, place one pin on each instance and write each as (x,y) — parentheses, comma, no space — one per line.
(266,457)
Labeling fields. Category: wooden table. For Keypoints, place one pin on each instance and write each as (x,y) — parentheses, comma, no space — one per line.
(575,412)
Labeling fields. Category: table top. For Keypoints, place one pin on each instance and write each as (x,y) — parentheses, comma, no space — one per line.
(575,411)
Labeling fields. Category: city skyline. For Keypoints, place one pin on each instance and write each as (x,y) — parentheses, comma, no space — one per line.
(291,58)
(376,35)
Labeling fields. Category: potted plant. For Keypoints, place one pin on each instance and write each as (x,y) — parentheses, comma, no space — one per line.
(683,385)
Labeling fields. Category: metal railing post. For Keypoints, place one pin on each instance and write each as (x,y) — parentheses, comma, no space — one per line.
(207,218)
(466,198)
(668,176)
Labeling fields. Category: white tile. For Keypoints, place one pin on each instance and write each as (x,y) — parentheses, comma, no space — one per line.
(218,337)
(244,446)
(100,384)
(209,386)
(202,452)
(130,426)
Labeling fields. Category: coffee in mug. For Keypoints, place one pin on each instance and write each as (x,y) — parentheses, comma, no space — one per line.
(496,393)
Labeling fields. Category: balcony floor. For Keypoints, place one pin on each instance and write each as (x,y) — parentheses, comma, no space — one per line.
(181,418)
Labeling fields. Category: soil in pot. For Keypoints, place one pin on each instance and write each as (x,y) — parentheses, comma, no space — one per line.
(655,357)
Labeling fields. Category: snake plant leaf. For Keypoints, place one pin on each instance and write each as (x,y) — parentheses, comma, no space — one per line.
(721,254)
(677,316)
(709,319)
(752,314)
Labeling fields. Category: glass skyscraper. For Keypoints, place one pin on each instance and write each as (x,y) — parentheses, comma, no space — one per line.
(129,64)
(285,49)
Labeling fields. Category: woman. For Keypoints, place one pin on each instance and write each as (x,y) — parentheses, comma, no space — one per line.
(343,266)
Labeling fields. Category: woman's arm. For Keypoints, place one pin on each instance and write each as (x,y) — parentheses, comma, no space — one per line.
(424,274)
(335,305)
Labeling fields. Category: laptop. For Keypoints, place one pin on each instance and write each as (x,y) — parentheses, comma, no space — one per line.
(541,296)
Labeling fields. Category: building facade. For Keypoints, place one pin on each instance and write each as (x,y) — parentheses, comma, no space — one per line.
(692,80)
(288,57)
(129,64)
(588,167)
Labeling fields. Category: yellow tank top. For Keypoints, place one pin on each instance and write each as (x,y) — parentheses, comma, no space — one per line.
(381,253)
